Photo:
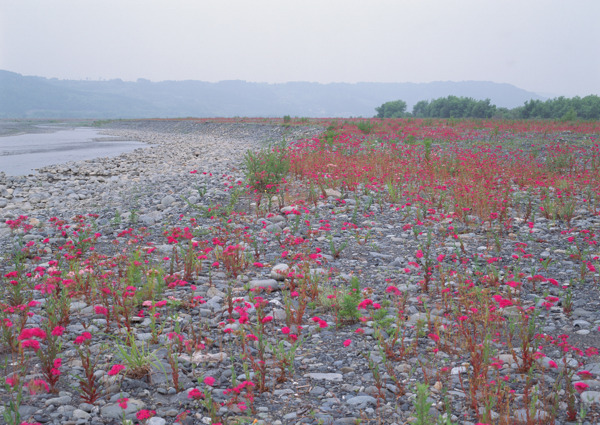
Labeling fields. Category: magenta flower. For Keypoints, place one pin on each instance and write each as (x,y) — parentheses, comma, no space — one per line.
(195,394)
(58,331)
(145,414)
(101,310)
(209,380)
(434,337)
(347,342)
(580,386)
(82,338)
(393,289)
(116,369)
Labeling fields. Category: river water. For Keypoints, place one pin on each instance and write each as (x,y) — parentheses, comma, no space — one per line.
(22,154)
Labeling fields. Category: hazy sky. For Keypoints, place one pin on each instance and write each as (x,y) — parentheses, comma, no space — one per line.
(546,46)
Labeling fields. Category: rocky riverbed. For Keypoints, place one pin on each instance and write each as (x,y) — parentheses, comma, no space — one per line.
(340,375)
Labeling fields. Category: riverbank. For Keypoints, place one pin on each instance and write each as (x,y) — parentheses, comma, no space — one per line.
(311,312)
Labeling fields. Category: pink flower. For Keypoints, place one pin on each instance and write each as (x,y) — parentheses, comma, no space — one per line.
(419,254)
(101,310)
(123,402)
(31,343)
(209,380)
(285,330)
(36,386)
(267,319)
(82,338)
(552,364)
(58,331)
(145,414)
(195,394)
(257,264)
(31,333)
(116,369)
(580,386)
(347,342)
(393,289)
(434,337)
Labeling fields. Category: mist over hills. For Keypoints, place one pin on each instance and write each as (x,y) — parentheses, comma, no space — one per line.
(39,97)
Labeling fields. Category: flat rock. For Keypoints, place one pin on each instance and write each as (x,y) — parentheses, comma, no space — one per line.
(318,376)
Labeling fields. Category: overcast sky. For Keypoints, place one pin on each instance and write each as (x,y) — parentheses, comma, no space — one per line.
(546,46)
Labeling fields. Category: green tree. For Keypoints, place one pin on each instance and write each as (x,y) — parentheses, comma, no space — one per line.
(421,109)
(393,109)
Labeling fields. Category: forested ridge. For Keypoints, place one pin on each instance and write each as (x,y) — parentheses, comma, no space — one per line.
(561,108)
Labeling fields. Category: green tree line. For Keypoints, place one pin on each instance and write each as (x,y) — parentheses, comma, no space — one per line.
(560,108)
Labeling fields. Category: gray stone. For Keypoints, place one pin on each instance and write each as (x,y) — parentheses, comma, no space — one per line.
(167,201)
(590,397)
(280,271)
(80,414)
(114,411)
(335,377)
(151,218)
(265,284)
(362,401)
(58,400)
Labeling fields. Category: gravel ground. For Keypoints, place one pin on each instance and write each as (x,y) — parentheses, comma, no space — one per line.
(333,382)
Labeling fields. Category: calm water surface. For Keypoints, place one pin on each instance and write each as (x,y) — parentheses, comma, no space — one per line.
(22,154)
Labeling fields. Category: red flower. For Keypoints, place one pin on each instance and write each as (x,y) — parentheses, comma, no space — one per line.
(195,394)
(580,386)
(434,337)
(145,414)
(82,338)
(31,343)
(36,385)
(116,369)
(58,331)
(123,402)
(101,310)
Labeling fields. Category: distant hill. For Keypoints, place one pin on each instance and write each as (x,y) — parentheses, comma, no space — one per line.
(38,97)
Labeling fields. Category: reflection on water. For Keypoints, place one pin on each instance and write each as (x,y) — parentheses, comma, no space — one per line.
(22,154)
